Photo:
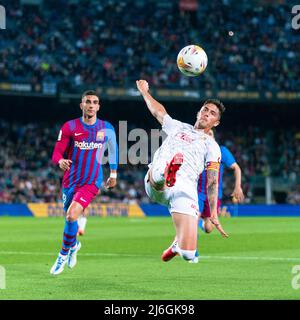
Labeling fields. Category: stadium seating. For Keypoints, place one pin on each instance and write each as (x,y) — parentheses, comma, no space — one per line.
(76,44)
(115,46)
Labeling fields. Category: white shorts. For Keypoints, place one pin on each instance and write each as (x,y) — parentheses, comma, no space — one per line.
(176,200)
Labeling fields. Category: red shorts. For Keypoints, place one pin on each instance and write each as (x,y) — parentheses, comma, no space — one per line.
(206,211)
(84,195)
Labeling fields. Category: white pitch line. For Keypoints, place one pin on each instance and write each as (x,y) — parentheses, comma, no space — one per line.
(250,258)
(147,255)
(82,254)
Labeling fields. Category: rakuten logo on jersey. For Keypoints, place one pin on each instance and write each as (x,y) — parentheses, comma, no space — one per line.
(88,145)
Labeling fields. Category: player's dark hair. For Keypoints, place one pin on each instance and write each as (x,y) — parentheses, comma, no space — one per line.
(217,103)
(89,93)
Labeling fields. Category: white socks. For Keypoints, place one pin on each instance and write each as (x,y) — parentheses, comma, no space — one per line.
(189,255)
(82,222)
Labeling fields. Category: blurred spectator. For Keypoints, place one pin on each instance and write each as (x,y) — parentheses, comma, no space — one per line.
(294,196)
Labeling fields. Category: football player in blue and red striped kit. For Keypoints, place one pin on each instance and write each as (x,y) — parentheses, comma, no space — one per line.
(79,153)
(227,161)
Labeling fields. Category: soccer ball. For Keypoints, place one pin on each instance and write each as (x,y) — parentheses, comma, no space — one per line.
(192,60)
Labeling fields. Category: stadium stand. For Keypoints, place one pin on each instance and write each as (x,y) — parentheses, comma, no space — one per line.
(78,44)
(57,43)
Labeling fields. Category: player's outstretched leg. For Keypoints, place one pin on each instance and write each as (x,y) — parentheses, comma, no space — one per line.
(186,232)
(172,168)
(205,225)
(69,241)
(163,173)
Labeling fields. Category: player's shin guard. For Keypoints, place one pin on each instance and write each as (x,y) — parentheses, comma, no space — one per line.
(187,254)
(69,237)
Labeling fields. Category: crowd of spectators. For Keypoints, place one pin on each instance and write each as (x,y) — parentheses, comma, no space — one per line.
(294,196)
(28,175)
(113,42)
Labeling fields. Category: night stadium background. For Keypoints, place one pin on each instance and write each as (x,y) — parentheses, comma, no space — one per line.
(51,51)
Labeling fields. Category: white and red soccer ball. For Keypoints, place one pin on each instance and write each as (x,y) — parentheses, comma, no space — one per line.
(192,60)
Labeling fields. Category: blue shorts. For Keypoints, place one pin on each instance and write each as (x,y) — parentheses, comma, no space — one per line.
(67,197)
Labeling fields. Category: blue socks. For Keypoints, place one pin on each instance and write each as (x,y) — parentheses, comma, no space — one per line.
(69,238)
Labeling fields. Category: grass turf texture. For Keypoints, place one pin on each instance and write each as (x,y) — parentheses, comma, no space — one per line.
(120,259)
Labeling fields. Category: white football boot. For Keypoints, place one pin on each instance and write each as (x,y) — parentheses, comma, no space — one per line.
(72,256)
(59,264)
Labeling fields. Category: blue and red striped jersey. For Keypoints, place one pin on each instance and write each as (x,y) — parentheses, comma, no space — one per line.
(227,160)
(85,146)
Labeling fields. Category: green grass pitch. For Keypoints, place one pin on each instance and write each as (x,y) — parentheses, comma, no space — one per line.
(120,259)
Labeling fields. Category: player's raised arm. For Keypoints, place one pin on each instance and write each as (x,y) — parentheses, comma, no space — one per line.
(157,109)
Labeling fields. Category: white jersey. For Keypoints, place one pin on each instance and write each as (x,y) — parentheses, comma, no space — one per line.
(197,148)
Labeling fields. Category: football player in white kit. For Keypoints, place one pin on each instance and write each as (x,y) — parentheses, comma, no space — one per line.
(173,174)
